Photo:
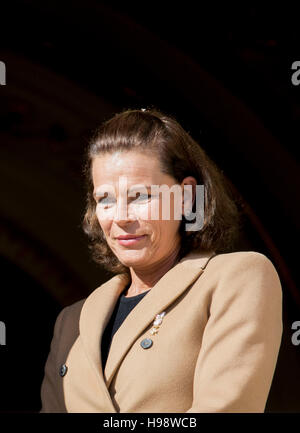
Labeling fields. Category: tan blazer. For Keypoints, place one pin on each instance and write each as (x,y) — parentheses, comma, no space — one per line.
(215,351)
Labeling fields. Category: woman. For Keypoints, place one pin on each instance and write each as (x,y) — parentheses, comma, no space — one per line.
(186,324)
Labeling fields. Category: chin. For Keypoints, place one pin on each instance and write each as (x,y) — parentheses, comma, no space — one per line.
(131,258)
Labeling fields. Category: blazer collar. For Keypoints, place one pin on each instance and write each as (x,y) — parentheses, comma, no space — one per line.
(98,307)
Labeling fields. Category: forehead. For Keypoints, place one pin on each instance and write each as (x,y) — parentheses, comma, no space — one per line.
(136,166)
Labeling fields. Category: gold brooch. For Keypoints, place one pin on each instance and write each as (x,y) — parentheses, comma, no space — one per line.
(157,322)
(146,343)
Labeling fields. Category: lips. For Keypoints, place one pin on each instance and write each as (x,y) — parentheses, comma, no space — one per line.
(129,237)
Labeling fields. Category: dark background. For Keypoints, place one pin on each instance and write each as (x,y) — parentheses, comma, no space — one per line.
(223,72)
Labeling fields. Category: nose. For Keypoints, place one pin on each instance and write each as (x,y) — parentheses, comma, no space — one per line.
(122,214)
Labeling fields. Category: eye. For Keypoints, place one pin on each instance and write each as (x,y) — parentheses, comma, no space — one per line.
(142,197)
(105,200)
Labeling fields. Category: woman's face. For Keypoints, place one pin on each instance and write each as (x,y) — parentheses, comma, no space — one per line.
(119,214)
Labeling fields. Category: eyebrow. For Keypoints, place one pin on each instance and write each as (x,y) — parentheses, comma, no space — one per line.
(98,194)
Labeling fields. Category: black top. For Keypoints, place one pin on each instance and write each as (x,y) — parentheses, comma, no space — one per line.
(122,309)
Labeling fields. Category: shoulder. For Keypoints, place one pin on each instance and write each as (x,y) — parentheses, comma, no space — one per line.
(248,261)
(70,313)
(69,316)
(247,274)
(66,328)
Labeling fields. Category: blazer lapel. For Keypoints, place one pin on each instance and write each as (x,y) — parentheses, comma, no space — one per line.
(164,293)
(95,314)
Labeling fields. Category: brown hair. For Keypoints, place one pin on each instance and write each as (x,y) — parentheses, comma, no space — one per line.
(180,156)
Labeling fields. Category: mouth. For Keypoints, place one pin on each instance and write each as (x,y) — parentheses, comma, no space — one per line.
(129,239)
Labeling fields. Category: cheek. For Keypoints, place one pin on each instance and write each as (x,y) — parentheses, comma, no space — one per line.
(169,228)
(164,229)
(104,219)
(151,211)
(104,214)
(166,212)
(139,210)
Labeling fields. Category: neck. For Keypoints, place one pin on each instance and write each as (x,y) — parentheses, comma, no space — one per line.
(144,279)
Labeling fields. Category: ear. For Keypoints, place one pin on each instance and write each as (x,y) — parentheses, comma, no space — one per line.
(188,194)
